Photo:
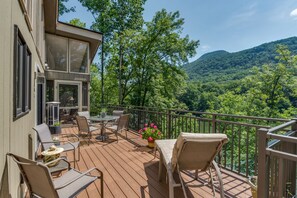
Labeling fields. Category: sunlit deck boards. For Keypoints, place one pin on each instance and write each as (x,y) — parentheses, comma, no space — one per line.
(130,170)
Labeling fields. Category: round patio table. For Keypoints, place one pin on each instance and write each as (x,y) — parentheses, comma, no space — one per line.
(103,122)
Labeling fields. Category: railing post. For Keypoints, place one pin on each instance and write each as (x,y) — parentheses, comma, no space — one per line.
(262,169)
(168,124)
(214,127)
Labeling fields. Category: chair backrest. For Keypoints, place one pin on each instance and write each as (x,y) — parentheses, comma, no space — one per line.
(44,135)
(85,114)
(37,177)
(197,151)
(123,122)
(82,123)
(117,113)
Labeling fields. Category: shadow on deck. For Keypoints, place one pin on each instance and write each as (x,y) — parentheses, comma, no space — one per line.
(130,170)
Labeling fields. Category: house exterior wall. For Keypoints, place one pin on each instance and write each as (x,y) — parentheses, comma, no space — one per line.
(14,133)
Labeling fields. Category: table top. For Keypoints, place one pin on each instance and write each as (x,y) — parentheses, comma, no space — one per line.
(102,119)
(47,152)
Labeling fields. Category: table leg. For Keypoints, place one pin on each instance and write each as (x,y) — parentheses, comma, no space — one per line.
(102,137)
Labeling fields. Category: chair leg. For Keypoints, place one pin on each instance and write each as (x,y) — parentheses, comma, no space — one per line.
(160,168)
(196,174)
(212,183)
(74,158)
(102,185)
(218,172)
(182,182)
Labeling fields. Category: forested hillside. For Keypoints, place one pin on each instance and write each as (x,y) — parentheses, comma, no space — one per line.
(220,66)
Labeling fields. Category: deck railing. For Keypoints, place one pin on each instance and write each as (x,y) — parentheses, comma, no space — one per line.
(240,153)
(277,161)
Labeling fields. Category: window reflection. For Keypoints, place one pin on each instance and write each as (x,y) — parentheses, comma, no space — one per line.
(68,95)
(78,56)
(56,51)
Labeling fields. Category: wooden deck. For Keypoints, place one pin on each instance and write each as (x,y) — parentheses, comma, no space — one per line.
(130,170)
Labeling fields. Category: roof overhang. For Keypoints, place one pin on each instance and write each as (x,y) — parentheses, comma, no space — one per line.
(53,26)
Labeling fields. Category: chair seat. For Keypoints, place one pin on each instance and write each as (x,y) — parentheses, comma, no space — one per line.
(69,147)
(76,186)
(93,128)
(166,147)
(113,127)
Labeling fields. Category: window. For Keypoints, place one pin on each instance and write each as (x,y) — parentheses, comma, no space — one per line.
(78,56)
(68,95)
(67,55)
(56,51)
(22,75)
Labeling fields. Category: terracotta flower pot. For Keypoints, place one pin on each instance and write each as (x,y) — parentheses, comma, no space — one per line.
(151,144)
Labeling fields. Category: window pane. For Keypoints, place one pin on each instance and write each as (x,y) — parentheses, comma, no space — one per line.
(27,80)
(19,77)
(56,52)
(68,95)
(78,56)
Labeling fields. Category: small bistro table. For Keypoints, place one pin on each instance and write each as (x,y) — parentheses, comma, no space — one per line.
(103,121)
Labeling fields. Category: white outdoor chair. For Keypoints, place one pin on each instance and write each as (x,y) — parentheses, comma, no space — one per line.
(190,151)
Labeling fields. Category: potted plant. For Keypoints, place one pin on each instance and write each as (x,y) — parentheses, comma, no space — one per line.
(56,128)
(103,112)
(150,133)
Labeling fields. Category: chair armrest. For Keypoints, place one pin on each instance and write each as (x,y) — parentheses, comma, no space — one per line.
(58,159)
(79,176)
(71,134)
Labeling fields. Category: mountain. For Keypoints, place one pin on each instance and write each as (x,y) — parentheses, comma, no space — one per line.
(223,66)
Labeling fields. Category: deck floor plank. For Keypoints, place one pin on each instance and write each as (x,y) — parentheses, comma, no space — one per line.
(130,170)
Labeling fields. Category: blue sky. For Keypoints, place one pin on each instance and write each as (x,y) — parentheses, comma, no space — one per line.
(230,25)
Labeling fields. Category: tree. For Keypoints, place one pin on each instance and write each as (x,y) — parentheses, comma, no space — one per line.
(114,17)
(151,61)
(77,22)
(63,9)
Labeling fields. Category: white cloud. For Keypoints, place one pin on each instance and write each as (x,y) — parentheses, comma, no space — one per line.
(294,13)
(205,48)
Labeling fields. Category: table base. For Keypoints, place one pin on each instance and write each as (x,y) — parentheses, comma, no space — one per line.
(102,138)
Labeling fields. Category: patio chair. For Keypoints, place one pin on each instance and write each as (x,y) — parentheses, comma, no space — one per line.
(122,124)
(191,152)
(87,115)
(45,138)
(84,127)
(40,184)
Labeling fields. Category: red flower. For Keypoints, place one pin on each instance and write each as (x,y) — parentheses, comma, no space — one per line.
(155,127)
(152,124)
(145,125)
(145,129)
(150,139)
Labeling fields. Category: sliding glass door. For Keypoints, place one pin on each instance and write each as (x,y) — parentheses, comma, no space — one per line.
(69,95)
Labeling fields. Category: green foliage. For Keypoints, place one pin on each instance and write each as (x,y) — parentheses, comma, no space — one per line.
(77,22)
(150,132)
(268,91)
(221,66)
(95,90)
(63,9)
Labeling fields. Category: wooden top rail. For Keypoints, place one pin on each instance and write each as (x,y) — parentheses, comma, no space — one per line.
(282,126)
(280,154)
(283,138)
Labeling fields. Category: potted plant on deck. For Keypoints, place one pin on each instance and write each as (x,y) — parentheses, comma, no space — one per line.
(150,133)
(56,128)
